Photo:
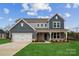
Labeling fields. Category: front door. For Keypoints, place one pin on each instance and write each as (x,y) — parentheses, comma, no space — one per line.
(45,37)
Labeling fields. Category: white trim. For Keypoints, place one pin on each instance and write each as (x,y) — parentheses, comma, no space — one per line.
(15,24)
(41,26)
(25,22)
(54,15)
(22,24)
(56,24)
(29,24)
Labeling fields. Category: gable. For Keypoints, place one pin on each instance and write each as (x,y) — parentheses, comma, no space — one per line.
(1,31)
(21,27)
(56,17)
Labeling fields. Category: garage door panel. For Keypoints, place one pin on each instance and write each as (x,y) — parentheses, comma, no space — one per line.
(21,37)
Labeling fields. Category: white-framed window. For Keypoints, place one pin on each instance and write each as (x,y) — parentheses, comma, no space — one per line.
(22,24)
(41,25)
(56,35)
(45,25)
(37,25)
(56,24)
(56,17)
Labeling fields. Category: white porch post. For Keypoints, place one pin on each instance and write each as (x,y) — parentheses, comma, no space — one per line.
(36,36)
(50,36)
(66,35)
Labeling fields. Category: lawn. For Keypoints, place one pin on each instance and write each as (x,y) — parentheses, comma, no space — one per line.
(51,49)
(2,41)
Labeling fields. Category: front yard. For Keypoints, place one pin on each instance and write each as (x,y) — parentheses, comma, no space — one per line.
(2,41)
(50,49)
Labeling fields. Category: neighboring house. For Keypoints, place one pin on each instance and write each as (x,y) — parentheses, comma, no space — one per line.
(39,29)
(73,35)
(2,34)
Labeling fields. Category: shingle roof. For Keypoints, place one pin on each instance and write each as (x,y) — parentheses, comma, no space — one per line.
(1,31)
(39,20)
(35,20)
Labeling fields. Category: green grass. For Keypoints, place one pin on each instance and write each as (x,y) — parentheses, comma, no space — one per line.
(51,49)
(2,41)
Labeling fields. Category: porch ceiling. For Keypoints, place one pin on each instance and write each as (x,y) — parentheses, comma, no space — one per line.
(52,30)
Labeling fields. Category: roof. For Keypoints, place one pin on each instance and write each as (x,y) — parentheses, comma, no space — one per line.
(52,30)
(1,31)
(39,20)
(53,17)
(35,20)
(20,21)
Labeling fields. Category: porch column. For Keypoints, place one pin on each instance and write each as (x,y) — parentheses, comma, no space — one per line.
(36,36)
(50,36)
(10,35)
(66,35)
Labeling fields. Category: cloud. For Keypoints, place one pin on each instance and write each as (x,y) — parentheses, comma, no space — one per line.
(43,17)
(67,14)
(25,7)
(10,19)
(6,10)
(32,13)
(1,17)
(40,6)
(75,5)
(35,7)
(68,5)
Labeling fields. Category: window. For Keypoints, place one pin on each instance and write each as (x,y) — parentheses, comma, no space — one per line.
(22,24)
(41,25)
(45,25)
(54,35)
(37,25)
(56,24)
(58,36)
(56,17)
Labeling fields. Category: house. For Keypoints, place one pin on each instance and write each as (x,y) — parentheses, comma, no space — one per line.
(2,34)
(38,29)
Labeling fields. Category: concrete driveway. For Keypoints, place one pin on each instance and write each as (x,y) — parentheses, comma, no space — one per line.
(10,49)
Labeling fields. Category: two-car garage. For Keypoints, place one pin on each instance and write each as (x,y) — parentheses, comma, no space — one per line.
(21,37)
(21,32)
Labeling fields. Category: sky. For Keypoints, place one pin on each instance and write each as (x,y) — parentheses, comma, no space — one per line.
(10,12)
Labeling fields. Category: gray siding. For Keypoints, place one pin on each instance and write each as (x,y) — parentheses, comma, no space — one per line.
(19,29)
(54,19)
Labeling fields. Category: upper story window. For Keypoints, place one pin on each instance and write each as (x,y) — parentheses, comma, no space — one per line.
(45,25)
(56,24)
(41,25)
(22,24)
(56,17)
(37,25)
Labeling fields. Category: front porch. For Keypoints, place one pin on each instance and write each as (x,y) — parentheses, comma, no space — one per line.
(51,36)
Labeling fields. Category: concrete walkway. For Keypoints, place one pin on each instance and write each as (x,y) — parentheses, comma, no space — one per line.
(10,49)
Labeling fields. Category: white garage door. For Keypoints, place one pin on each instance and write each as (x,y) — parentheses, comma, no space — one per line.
(21,37)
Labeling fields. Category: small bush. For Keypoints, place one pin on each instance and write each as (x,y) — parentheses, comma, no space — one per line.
(38,41)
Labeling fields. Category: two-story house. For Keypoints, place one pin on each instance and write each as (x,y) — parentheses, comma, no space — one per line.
(38,29)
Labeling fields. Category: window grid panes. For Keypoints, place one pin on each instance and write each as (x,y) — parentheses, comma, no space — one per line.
(37,25)
(56,24)
(45,25)
(41,25)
